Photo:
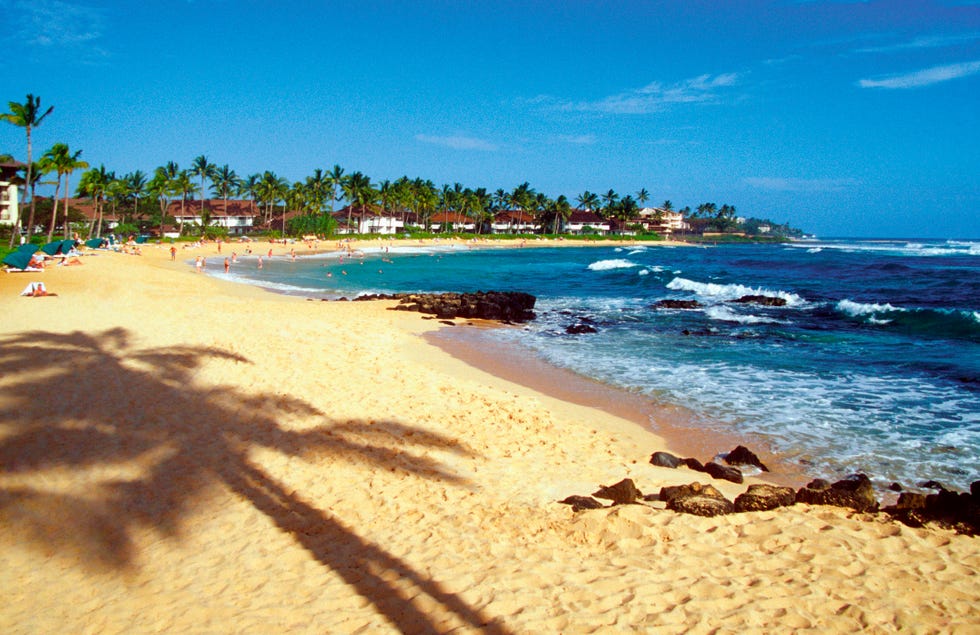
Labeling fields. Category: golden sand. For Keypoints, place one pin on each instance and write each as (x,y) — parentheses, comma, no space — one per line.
(180,454)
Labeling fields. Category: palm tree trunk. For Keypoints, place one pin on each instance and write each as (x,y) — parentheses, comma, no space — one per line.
(54,210)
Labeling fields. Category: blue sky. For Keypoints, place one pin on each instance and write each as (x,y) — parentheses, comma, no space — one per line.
(842,118)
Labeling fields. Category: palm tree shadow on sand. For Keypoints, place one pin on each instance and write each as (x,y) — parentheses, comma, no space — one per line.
(60,418)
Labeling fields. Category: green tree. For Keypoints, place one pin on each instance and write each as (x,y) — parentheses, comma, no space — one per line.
(28,116)
(166,185)
(95,185)
(224,181)
(205,170)
(642,196)
(335,178)
(64,162)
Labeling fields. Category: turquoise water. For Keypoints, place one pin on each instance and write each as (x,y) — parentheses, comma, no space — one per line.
(872,365)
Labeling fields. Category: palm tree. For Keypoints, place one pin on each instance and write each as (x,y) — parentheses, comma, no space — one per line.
(523,199)
(610,197)
(224,181)
(588,200)
(249,187)
(27,116)
(95,184)
(186,188)
(317,186)
(63,161)
(642,196)
(135,189)
(204,170)
(167,182)
(667,205)
(335,178)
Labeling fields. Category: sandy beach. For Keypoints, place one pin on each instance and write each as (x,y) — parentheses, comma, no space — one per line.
(181,454)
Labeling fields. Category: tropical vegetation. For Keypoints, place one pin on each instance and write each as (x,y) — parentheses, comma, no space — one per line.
(307,206)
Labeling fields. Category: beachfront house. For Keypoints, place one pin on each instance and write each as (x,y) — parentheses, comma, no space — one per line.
(663,221)
(584,221)
(369,220)
(9,201)
(452,221)
(236,216)
(512,221)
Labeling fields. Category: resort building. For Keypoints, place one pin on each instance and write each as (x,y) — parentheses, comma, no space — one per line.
(514,222)
(584,221)
(664,221)
(236,216)
(369,220)
(9,201)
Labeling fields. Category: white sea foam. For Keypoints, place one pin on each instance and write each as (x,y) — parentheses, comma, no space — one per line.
(615,263)
(731,291)
(726,314)
(858,309)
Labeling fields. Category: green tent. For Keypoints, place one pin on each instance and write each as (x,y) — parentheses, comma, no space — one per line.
(52,248)
(18,259)
(67,245)
(95,243)
(28,247)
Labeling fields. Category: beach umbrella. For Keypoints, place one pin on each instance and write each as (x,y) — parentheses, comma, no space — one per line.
(94,243)
(28,247)
(18,259)
(67,245)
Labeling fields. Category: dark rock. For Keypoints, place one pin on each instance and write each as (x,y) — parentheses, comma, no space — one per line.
(694,464)
(759,498)
(677,304)
(975,489)
(764,300)
(622,493)
(579,503)
(665,459)
(697,499)
(504,306)
(896,487)
(956,510)
(855,492)
(717,470)
(578,329)
(741,455)
(936,485)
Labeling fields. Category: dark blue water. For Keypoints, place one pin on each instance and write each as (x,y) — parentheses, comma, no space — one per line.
(873,364)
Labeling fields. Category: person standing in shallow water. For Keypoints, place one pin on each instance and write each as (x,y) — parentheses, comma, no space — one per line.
(227,265)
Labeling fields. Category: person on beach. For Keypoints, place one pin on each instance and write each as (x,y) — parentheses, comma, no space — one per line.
(199,264)
(227,265)
(260,262)
(234,257)
(173,253)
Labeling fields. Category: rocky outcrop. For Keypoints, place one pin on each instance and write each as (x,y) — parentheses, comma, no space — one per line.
(579,503)
(725,472)
(741,455)
(697,499)
(764,300)
(677,304)
(622,493)
(579,329)
(665,459)
(957,510)
(762,497)
(502,306)
(855,492)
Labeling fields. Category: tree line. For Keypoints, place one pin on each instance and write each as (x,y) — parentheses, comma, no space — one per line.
(143,199)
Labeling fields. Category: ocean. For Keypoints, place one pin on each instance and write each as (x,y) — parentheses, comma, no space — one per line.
(872,364)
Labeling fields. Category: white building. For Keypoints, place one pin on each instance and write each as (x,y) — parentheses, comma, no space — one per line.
(9,199)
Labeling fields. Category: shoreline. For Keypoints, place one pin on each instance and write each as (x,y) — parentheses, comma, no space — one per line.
(179,454)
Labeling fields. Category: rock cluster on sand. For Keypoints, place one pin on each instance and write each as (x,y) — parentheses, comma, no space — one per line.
(957,510)
(504,306)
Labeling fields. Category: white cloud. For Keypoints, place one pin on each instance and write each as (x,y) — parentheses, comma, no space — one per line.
(924,42)
(457,142)
(781,184)
(655,96)
(925,77)
(57,23)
